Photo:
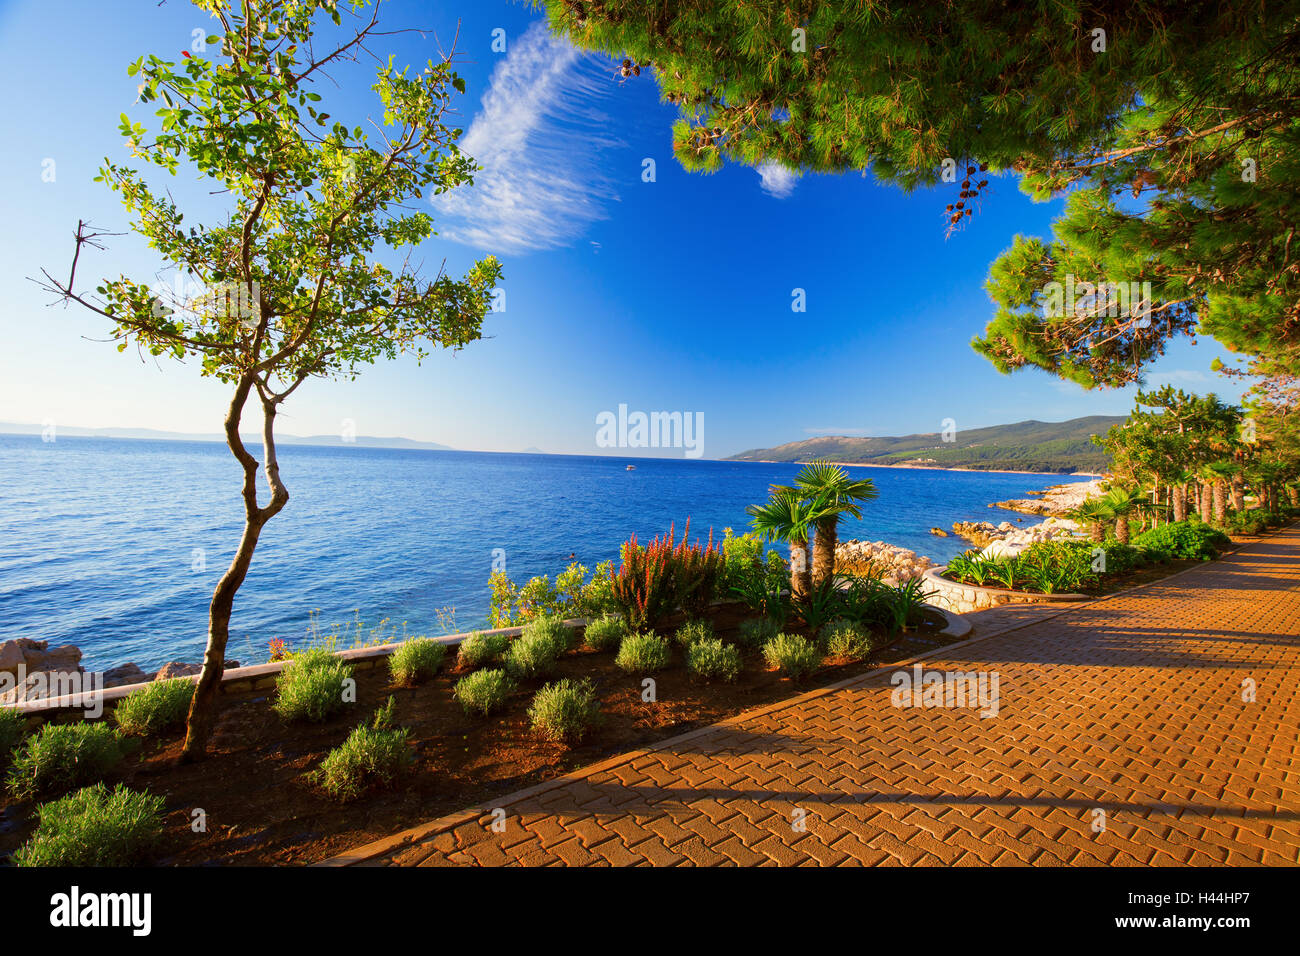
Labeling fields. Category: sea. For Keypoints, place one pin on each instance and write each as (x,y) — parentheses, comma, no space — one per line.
(115,545)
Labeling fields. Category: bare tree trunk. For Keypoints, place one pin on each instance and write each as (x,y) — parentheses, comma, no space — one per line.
(1179,494)
(203,706)
(823,563)
(1238,492)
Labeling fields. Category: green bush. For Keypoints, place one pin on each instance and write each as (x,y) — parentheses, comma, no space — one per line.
(692,632)
(605,633)
(416,660)
(61,757)
(757,631)
(95,827)
(1184,539)
(553,629)
(1059,567)
(12,727)
(156,707)
(847,641)
(642,653)
(710,659)
(479,649)
(311,687)
(484,691)
(792,655)
(1122,558)
(565,710)
(372,755)
(535,652)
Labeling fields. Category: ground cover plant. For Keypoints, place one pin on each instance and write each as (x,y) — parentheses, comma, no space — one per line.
(374,754)
(416,660)
(643,654)
(95,827)
(480,649)
(59,757)
(484,691)
(605,633)
(158,706)
(313,686)
(565,710)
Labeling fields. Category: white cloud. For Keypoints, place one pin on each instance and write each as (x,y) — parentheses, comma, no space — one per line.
(537,138)
(776,180)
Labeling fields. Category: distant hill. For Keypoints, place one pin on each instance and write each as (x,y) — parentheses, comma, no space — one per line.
(365,441)
(1057,447)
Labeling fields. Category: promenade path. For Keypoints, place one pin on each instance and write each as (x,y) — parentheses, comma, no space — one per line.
(1126,734)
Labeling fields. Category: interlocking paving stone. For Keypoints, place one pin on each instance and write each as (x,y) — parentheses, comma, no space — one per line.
(1131,705)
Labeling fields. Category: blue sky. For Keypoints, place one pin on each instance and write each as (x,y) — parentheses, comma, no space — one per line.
(671,295)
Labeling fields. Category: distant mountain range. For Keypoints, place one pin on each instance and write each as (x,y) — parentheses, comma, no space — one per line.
(365,441)
(1055,447)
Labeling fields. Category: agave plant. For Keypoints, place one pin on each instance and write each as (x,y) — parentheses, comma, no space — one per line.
(838,495)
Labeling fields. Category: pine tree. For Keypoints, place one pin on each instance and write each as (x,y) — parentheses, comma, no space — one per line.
(1173,127)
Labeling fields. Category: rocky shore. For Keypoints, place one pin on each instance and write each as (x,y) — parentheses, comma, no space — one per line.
(1054,501)
(889,562)
(32,670)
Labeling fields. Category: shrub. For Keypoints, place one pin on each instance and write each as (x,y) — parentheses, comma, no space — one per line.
(655,579)
(372,755)
(570,596)
(792,655)
(12,727)
(156,707)
(757,631)
(1184,539)
(847,641)
(311,687)
(1055,567)
(1121,558)
(692,632)
(553,629)
(605,633)
(642,653)
(62,757)
(479,649)
(905,604)
(484,691)
(710,659)
(95,827)
(416,660)
(534,653)
(565,710)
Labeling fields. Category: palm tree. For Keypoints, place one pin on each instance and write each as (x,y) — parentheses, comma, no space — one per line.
(1094,513)
(1220,474)
(838,495)
(1121,504)
(789,516)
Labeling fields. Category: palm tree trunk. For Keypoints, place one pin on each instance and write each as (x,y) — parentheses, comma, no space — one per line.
(824,541)
(203,706)
(1238,492)
(1220,501)
(800,574)
(1098,530)
(1293,494)
(1179,494)
(1121,529)
(1206,505)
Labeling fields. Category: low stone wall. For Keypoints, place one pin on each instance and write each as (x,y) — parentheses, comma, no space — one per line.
(237,680)
(965,598)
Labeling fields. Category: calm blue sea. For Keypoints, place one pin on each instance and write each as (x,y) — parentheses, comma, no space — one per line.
(115,545)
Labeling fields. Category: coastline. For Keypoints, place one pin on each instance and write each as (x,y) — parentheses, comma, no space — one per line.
(975,471)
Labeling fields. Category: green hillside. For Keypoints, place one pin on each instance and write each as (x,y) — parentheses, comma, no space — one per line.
(1058,447)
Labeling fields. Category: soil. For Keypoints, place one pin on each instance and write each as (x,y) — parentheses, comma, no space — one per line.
(260,811)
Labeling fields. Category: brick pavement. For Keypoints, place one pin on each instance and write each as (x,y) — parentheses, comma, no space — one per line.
(1130,706)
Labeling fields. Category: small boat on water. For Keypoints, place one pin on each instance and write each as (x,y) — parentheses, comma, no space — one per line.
(631,467)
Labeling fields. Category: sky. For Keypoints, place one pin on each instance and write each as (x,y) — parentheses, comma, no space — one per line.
(670,295)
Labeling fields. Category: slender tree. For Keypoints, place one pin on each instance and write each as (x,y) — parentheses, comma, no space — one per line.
(295,289)
(790,517)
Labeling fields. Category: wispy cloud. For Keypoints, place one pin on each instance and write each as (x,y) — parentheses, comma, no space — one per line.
(776,179)
(537,138)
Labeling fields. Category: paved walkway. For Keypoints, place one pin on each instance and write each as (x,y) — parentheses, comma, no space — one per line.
(1121,738)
